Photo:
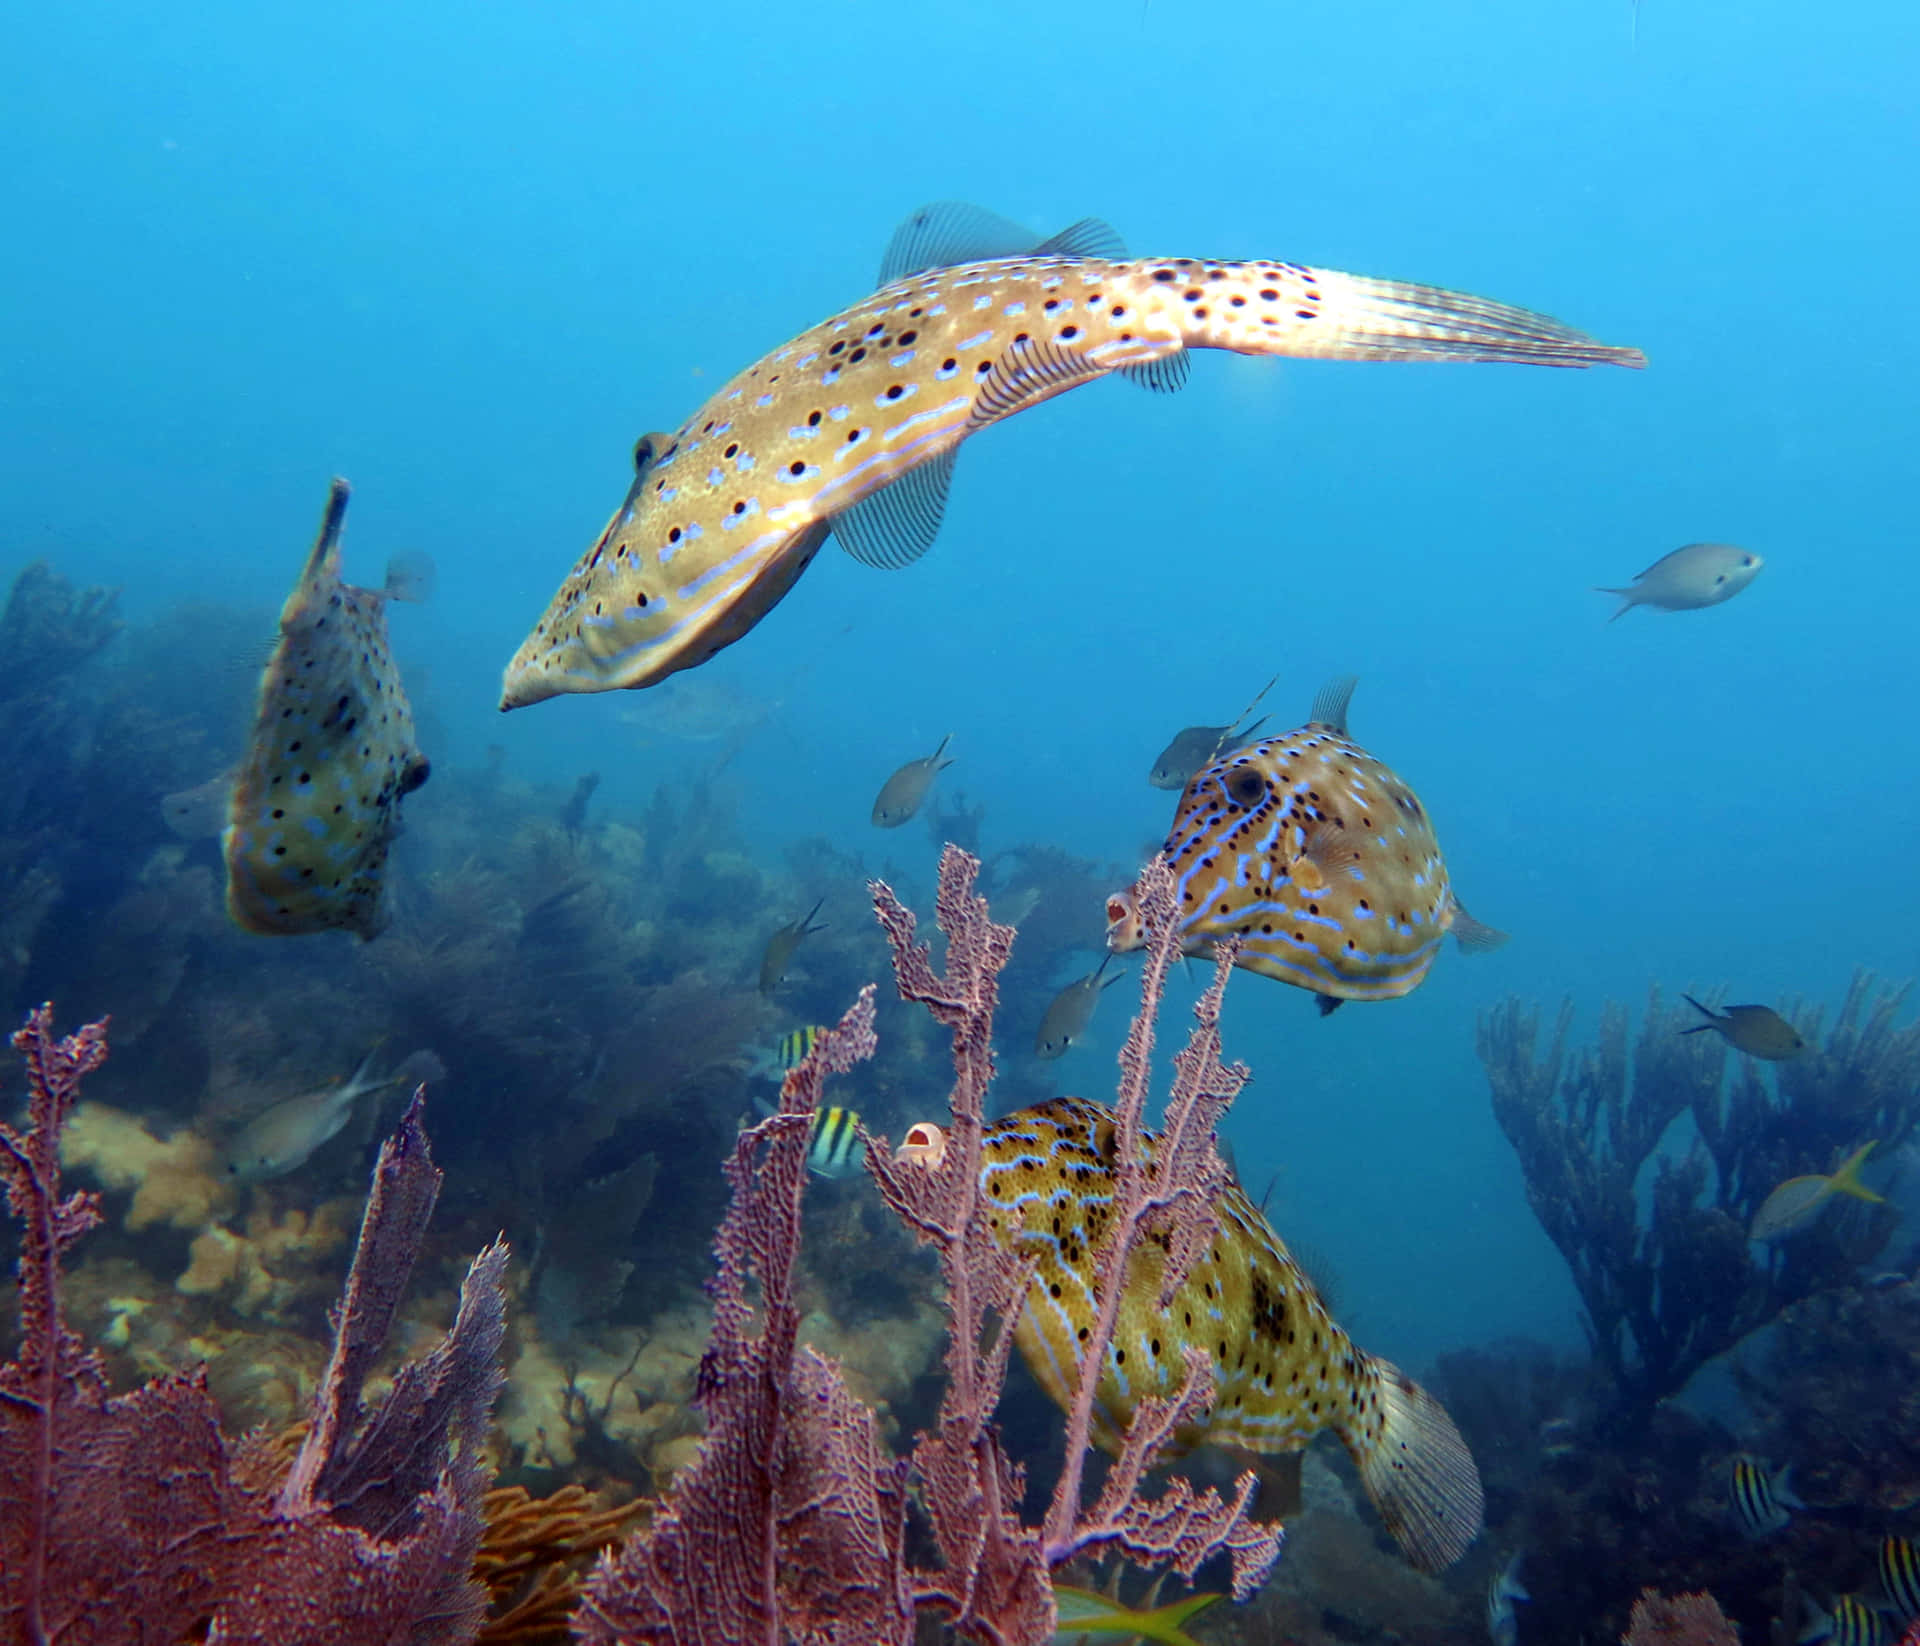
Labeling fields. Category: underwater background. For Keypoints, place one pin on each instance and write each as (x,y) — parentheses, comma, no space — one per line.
(464,256)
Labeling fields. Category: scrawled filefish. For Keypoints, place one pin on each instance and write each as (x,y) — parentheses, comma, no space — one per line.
(853,426)
(316,804)
(1283,1370)
(1318,858)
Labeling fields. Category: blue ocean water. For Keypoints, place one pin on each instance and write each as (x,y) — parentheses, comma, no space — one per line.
(465,255)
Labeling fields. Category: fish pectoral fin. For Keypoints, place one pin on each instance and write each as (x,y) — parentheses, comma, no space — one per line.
(896,525)
(1474,936)
(949,232)
(1166,374)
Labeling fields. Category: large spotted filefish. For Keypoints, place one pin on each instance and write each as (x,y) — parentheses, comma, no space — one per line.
(317,802)
(1283,1370)
(1318,858)
(852,427)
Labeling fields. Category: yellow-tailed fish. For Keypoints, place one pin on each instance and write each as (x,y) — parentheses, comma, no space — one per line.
(316,804)
(1761,1503)
(280,1139)
(1800,1200)
(780,947)
(1071,1011)
(1318,858)
(1087,1612)
(1698,575)
(900,796)
(1283,1370)
(1759,1031)
(852,427)
(1196,746)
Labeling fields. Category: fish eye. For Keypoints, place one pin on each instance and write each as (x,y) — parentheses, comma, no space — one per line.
(1247,786)
(1747,561)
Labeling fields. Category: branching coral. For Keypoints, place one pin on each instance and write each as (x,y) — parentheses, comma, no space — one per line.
(1666,1293)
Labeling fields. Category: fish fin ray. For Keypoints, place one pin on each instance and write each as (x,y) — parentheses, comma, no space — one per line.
(896,525)
(1420,1474)
(945,233)
(1025,375)
(1332,702)
(1628,600)
(1164,374)
(1474,936)
(323,560)
(1846,1180)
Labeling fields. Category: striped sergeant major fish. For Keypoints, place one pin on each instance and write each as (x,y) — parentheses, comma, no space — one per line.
(1849,1621)
(836,1148)
(1761,1504)
(1899,1568)
(852,428)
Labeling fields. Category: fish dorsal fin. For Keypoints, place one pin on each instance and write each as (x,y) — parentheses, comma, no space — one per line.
(1334,699)
(1166,375)
(897,524)
(1024,375)
(949,232)
(324,558)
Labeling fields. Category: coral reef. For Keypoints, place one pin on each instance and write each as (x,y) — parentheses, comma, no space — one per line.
(1684,1620)
(130,1516)
(1665,1293)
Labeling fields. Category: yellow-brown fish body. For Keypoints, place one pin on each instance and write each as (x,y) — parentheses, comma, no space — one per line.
(1319,858)
(1283,1370)
(900,797)
(316,804)
(1759,1031)
(723,516)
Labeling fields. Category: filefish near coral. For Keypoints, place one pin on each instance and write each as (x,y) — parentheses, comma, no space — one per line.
(780,947)
(1759,1031)
(1071,1011)
(1319,858)
(282,1139)
(852,428)
(1503,1589)
(1796,1203)
(316,805)
(1692,577)
(1761,1504)
(900,796)
(1195,746)
(1283,1370)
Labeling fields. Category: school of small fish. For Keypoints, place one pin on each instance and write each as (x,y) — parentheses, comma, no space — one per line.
(316,804)
(1319,858)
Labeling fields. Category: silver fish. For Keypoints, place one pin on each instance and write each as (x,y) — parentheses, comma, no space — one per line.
(1694,576)
(852,428)
(281,1139)
(900,796)
(1071,1011)
(780,947)
(1796,1203)
(316,805)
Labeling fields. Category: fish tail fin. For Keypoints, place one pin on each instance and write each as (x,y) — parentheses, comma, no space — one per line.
(1474,936)
(1782,1485)
(1627,601)
(1704,1011)
(1322,314)
(1847,1179)
(940,765)
(1418,1471)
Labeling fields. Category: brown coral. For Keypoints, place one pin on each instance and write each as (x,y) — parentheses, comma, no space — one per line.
(1680,1620)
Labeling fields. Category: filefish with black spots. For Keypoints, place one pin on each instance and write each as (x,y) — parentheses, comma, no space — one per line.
(1761,1504)
(852,428)
(1759,1031)
(1318,858)
(901,795)
(1283,1370)
(316,804)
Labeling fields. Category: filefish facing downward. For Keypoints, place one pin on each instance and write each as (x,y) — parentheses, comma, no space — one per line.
(1283,1370)
(316,804)
(1759,1031)
(281,1139)
(1318,857)
(900,796)
(1692,577)
(852,428)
